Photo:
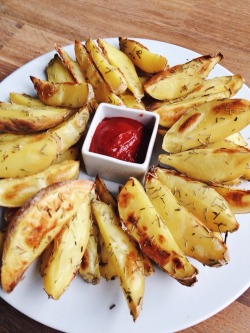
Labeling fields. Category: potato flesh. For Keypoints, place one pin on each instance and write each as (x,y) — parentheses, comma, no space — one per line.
(143,223)
(26,100)
(36,224)
(193,238)
(57,72)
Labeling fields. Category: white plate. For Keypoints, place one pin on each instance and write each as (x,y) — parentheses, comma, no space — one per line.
(168,306)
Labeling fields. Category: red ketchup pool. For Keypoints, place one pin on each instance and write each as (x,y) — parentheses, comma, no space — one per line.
(121,138)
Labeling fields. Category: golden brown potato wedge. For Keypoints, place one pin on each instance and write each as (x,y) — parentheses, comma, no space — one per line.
(111,75)
(65,94)
(199,199)
(120,60)
(107,268)
(57,72)
(192,236)
(131,102)
(125,256)
(19,119)
(89,268)
(209,165)
(143,223)
(103,193)
(14,192)
(206,123)
(141,57)
(26,100)
(178,81)
(101,90)
(28,234)
(69,246)
(72,65)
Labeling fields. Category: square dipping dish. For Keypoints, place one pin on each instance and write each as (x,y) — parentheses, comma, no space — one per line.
(111,168)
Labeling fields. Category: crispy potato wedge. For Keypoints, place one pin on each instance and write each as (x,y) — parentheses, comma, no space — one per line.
(238,199)
(199,199)
(141,57)
(121,61)
(211,89)
(57,72)
(101,90)
(72,65)
(36,224)
(19,119)
(69,246)
(45,257)
(142,222)
(89,268)
(178,81)
(14,192)
(103,193)
(111,75)
(26,100)
(131,102)
(206,123)
(209,165)
(192,237)
(65,94)
(125,256)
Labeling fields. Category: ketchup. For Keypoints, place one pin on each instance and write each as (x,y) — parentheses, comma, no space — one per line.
(121,138)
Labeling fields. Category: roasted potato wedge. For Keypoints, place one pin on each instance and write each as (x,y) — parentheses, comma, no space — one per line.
(57,72)
(103,193)
(69,154)
(206,123)
(141,57)
(211,89)
(131,102)
(101,90)
(26,100)
(199,199)
(238,199)
(89,268)
(125,256)
(209,165)
(192,237)
(107,268)
(19,119)
(111,75)
(178,81)
(69,246)
(28,234)
(65,94)
(120,60)
(14,192)
(142,222)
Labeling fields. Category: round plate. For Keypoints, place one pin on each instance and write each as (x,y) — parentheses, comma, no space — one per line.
(168,306)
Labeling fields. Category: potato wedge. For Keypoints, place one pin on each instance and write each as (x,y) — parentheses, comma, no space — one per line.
(102,91)
(69,246)
(89,268)
(131,102)
(111,75)
(120,60)
(178,81)
(57,72)
(26,100)
(238,199)
(72,65)
(199,199)
(211,89)
(65,94)
(206,123)
(70,154)
(125,256)
(36,224)
(45,257)
(141,57)
(142,222)
(19,119)
(103,193)
(107,268)
(14,192)
(192,237)
(209,165)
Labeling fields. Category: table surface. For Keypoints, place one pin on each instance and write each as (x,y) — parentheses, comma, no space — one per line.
(31,28)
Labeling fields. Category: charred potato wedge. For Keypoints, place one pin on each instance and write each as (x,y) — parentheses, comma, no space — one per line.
(141,57)
(207,123)
(126,258)
(144,224)
(178,81)
(28,235)
(57,72)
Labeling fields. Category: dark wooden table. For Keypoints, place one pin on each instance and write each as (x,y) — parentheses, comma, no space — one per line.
(30,28)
